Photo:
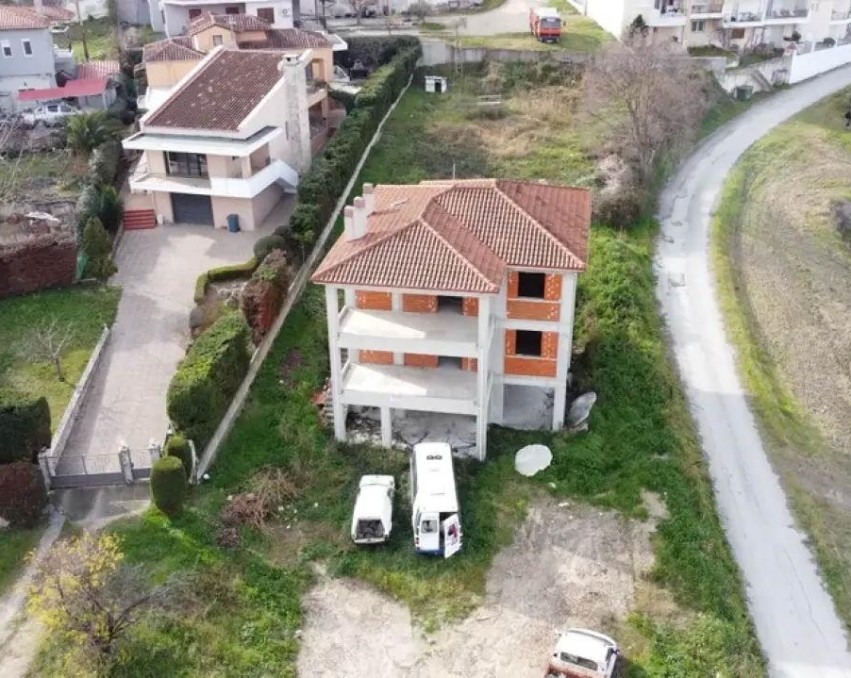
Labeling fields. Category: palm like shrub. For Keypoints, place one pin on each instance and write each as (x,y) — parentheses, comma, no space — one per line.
(87,131)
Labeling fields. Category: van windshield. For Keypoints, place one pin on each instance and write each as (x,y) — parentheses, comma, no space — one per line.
(551,23)
(428,526)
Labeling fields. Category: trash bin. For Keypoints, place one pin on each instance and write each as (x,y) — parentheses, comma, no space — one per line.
(744,92)
(233,223)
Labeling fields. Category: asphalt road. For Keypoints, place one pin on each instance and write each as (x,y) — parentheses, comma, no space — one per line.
(795,618)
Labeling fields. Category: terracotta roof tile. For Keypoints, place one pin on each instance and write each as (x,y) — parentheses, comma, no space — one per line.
(221,92)
(97,69)
(171,49)
(16,18)
(235,22)
(56,14)
(460,235)
(290,38)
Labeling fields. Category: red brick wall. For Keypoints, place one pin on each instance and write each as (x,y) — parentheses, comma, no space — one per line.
(545,366)
(531,309)
(39,263)
(419,303)
(376,357)
(470,306)
(470,364)
(420,360)
(373,301)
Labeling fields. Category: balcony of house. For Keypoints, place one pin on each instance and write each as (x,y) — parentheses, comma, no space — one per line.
(443,333)
(781,13)
(706,10)
(744,15)
(446,388)
(667,13)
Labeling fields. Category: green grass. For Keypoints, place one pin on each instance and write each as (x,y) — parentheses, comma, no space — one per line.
(56,174)
(86,309)
(100,35)
(578,34)
(14,546)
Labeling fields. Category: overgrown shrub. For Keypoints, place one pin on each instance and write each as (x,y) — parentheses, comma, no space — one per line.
(168,485)
(178,446)
(24,427)
(103,163)
(373,51)
(23,496)
(87,131)
(619,209)
(264,294)
(206,380)
(101,202)
(266,244)
(97,246)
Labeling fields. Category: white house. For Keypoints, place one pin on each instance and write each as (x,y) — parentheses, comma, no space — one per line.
(174,16)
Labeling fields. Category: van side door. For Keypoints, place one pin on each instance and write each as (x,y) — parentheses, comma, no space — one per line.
(451,536)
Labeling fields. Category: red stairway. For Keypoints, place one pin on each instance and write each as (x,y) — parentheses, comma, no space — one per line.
(138,219)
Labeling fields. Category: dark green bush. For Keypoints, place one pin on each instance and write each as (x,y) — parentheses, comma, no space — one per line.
(97,246)
(168,485)
(103,163)
(266,244)
(206,380)
(178,446)
(24,427)
(23,496)
(373,51)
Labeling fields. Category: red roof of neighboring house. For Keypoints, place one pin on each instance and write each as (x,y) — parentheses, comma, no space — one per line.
(56,13)
(221,92)
(15,18)
(73,88)
(459,236)
(171,49)
(235,22)
(289,38)
(97,69)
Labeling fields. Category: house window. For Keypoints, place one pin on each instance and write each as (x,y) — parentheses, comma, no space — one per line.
(267,14)
(28,48)
(217,40)
(194,14)
(528,343)
(231,9)
(531,285)
(7,48)
(698,26)
(737,33)
(186,164)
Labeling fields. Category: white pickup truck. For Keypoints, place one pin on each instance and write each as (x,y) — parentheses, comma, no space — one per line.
(373,516)
(50,115)
(581,653)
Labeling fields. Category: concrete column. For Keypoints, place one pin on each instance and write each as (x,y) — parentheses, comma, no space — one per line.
(500,313)
(483,375)
(386,427)
(245,161)
(332,311)
(126,464)
(155,451)
(565,343)
(351,301)
(44,465)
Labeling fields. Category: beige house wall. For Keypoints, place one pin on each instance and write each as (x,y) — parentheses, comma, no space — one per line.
(162,206)
(244,207)
(156,162)
(204,41)
(168,73)
(265,202)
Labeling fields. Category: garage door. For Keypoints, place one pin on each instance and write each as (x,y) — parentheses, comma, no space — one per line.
(192,209)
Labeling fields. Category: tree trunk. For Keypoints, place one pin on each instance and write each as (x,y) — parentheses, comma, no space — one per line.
(57,365)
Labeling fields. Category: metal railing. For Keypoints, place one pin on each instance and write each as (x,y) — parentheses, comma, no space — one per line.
(707,8)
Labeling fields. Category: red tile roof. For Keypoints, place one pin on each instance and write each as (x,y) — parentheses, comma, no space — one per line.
(55,13)
(97,69)
(221,92)
(290,38)
(73,88)
(235,22)
(171,49)
(461,235)
(17,18)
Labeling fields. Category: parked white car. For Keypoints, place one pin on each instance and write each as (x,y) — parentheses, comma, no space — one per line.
(581,653)
(373,516)
(49,114)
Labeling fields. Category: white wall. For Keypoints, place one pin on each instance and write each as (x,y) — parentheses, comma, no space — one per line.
(806,66)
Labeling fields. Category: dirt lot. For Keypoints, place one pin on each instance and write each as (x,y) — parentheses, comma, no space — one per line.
(570,565)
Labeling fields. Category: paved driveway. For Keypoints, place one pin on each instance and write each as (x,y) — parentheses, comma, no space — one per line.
(157,269)
(794,616)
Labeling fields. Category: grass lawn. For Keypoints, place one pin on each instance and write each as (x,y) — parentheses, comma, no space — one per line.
(788,346)
(244,616)
(86,309)
(57,174)
(578,34)
(14,546)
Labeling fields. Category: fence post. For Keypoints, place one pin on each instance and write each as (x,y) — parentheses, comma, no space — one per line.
(44,465)
(155,450)
(126,464)
(192,476)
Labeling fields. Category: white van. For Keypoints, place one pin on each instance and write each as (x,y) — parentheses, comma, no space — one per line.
(436,523)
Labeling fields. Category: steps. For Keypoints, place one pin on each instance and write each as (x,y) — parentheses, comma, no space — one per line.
(135,220)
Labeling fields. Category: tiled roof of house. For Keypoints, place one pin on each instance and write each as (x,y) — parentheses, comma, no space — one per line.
(221,92)
(17,18)
(55,13)
(97,69)
(171,49)
(236,22)
(461,235)
(294,38)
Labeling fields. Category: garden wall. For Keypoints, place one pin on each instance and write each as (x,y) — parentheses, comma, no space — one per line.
(813,63)
(42,261)
(436,52)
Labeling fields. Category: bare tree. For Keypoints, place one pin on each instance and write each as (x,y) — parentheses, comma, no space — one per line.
(649,95)
(46,342)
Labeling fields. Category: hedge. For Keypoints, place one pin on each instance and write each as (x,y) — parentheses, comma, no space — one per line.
(24,427)
(208,377)
(103,163)
(321,187)
(178,446)
(232,272)
(23,496)
(374,50)
(168,485)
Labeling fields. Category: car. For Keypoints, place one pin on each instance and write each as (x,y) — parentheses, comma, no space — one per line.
(49,114)
(372,520)
(580,653)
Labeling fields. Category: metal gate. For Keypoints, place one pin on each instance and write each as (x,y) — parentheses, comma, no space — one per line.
(98,470)
(192,209)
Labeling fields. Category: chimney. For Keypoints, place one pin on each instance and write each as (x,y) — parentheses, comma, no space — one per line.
(359,221)
(369,198)
(349,222)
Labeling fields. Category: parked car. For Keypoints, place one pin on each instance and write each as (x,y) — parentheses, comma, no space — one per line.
(50,115)
(373,517)
(580,653)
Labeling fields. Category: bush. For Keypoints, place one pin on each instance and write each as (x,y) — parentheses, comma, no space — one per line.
(103,203)
(619,209)
(87,131)
(23,496)
(24,427)
(264,294)
(266,244)
(168,485)
(97,246)
(206,380)
(375,51)
(178,446)
(103,163)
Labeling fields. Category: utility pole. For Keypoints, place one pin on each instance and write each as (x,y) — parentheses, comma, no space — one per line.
(82,30)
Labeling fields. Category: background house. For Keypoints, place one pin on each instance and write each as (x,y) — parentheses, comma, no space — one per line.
(459,299)
(174,16)
(27,59)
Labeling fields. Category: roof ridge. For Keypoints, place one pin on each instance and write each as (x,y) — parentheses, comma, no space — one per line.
(537,223)
(383,237)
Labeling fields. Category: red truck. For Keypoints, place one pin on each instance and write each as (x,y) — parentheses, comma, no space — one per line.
(545,24)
